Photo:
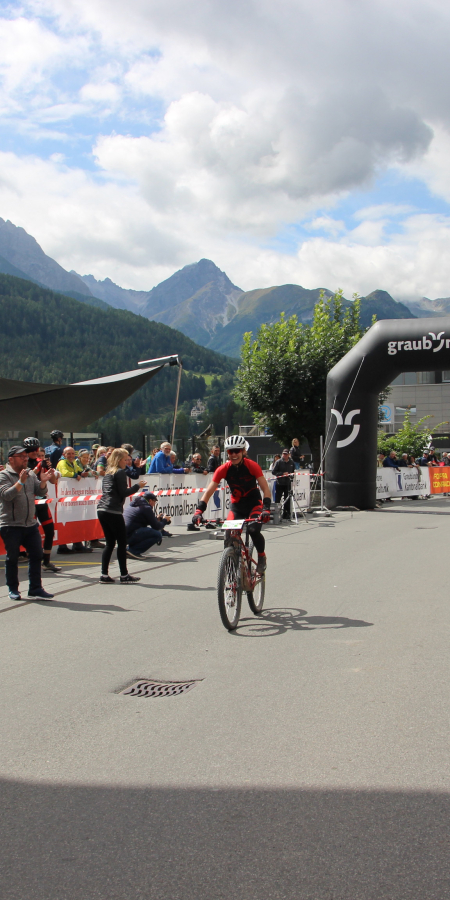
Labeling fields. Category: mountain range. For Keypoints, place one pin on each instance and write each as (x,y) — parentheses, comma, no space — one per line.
(199,300)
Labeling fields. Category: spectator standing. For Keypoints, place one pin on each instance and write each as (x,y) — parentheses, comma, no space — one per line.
(424,460)
(69,466)
(55,450)
(83,459)
(390,462)
(19,487)
(93,454)
(294,452)
(135,463)
(100,461)
(403,462)
(37,463)
(162,462)
(197,466)
(133,467)
(177,470)
(282,469)
(151,458)
(144,528)
(380,459)
(275,459)
(214,460)
(110,515)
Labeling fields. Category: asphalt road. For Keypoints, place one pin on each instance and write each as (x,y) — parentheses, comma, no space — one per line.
(309,762)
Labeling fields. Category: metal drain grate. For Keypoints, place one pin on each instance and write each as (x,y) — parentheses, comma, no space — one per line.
(158,688)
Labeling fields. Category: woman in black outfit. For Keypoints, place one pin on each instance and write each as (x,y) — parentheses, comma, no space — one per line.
(110,515)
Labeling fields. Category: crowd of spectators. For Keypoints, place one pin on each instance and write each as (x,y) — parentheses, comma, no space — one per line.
(429,458)
(28,469)
(134,530)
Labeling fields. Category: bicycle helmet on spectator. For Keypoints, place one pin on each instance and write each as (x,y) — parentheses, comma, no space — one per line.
(55,435)
(31,443)
(236,442)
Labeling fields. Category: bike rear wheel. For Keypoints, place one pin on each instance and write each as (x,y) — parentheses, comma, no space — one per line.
(256,596)
(229,588)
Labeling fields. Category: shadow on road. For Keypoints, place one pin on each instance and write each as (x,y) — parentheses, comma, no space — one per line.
(82,607)
(81,842)
(273,622)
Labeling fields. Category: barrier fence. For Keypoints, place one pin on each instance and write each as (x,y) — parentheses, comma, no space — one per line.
(412,482)
(73,504)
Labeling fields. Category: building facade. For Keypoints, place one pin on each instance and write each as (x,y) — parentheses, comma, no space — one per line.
(423,394)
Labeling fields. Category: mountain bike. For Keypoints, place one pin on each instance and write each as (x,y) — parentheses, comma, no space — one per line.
(237,573)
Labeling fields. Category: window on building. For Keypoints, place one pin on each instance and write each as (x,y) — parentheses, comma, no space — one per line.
(409,378)
(426,378)
(446,376)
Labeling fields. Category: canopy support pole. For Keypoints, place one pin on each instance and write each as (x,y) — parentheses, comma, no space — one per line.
(180,369)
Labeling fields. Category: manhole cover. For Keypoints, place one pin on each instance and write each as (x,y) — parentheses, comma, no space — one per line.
(158,688)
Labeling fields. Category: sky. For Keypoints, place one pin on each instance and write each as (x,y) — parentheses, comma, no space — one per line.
(302,141)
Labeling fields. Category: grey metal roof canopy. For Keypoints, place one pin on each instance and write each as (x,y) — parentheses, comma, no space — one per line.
(26,406)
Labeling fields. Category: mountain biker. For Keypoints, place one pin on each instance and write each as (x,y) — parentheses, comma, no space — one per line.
(243,476)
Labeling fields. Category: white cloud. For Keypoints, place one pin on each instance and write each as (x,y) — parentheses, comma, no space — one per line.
(246,119)
(103,228)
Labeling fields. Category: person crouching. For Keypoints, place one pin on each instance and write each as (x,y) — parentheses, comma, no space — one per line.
(144,527)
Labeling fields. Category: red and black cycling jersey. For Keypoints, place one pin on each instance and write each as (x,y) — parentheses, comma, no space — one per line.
(242,479)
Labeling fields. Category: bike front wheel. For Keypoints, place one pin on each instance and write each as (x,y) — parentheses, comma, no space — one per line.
(256,596)
(229,588)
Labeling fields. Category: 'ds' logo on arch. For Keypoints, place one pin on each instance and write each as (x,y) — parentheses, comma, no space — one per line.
(348,421)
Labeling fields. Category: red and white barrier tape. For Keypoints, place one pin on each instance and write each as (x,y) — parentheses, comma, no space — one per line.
(172,492)
(175,492)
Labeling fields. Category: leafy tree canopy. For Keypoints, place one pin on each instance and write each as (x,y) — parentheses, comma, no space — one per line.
(282,375)
(411,439)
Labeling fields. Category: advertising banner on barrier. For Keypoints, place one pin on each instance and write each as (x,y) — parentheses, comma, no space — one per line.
(439,480)
(403,482)
(185,493)
(301,489)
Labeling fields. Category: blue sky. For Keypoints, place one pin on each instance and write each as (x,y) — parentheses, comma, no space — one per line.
(302,142)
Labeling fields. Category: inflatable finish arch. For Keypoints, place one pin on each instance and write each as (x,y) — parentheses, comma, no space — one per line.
(389,348)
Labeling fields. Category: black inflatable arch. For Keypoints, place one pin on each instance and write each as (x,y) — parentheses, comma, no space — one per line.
(389,348)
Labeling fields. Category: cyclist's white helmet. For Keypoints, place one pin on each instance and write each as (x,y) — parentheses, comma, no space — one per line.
(236,442)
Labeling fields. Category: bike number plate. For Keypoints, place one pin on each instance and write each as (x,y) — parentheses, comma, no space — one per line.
(233,524)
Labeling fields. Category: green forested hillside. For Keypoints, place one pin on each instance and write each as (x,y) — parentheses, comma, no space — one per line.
(47,337)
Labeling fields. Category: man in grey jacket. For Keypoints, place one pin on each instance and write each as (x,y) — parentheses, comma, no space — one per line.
(19,487)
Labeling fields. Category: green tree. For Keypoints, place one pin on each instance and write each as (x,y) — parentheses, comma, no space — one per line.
(282,375)
(411,439)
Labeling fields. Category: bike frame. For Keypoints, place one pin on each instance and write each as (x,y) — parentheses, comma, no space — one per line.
(233,537)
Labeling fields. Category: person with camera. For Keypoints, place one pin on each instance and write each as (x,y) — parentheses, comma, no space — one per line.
(282,470)
(144,527)
(38,462)
(19,487)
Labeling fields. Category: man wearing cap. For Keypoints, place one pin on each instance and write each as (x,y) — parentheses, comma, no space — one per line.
(144,528)
(19,487)
(282,469)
